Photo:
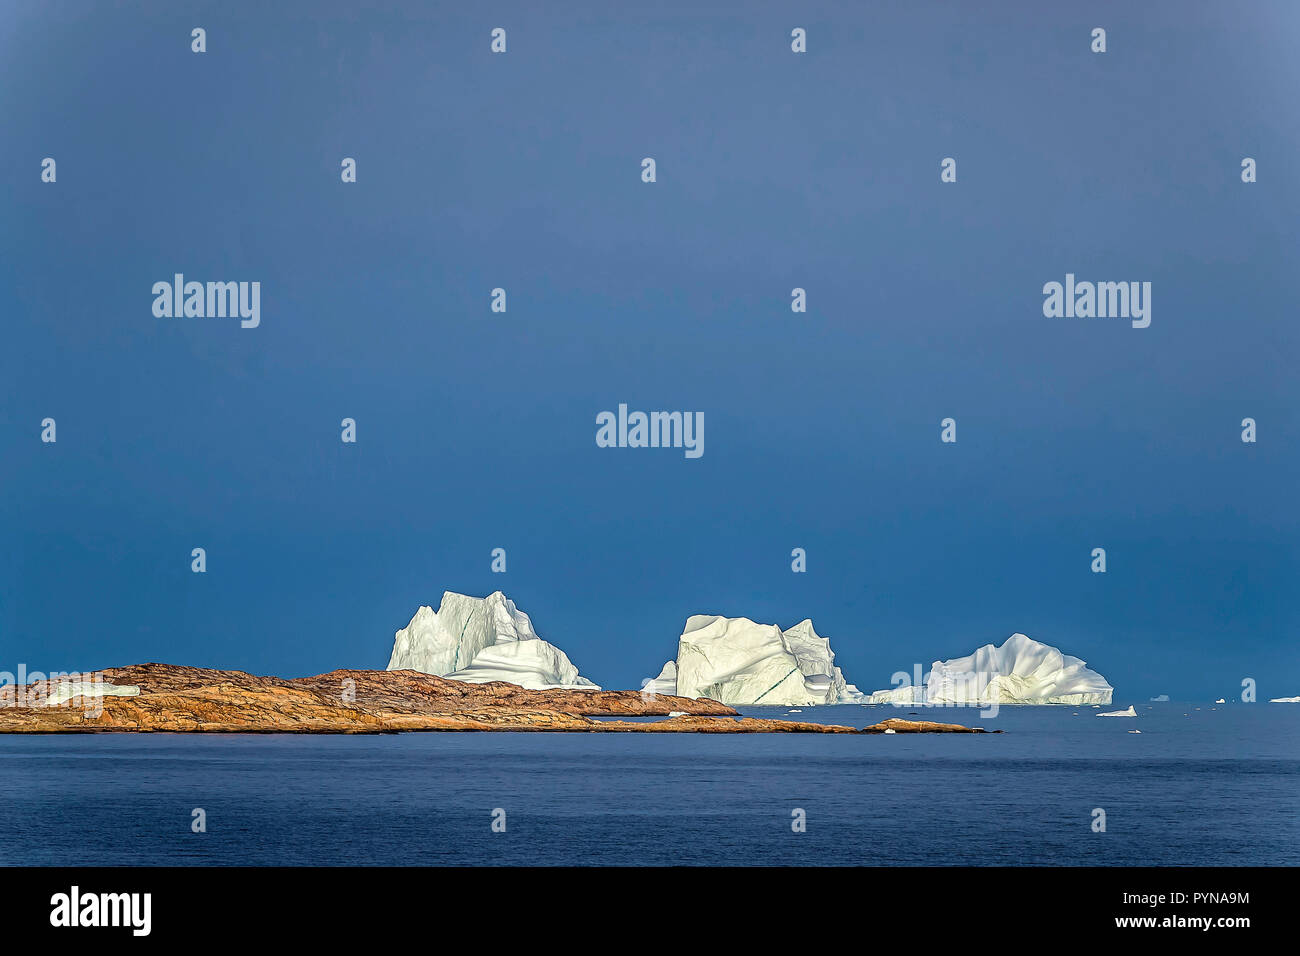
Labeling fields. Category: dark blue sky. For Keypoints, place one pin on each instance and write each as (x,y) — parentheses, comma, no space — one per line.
(477,430)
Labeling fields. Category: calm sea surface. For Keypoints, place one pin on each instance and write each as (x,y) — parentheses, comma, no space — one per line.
(1206,787)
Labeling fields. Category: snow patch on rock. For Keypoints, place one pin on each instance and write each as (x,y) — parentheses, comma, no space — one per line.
(85,690)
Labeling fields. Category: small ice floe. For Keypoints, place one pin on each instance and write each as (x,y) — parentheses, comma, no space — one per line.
(677,713)
(1284,700)
(890,730)
(1220,701)
(1120,713)
(795,711)
(1135,731)
(1162,699)
(85,690)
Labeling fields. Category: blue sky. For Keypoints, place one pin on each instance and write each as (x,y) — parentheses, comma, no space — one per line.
(476,430)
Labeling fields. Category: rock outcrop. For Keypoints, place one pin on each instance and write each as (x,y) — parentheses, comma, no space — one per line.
(193,699)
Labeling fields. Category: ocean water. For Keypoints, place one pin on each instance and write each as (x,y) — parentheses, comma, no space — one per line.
(1208,786)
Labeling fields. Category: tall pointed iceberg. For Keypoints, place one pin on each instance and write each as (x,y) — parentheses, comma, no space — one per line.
(479,640)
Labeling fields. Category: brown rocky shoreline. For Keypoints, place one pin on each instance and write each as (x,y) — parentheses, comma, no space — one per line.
(177,699)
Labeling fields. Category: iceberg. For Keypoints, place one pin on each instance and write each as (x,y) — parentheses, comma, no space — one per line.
(1021,671)
(1161,699)
(1119,713)
(478,640)
(1284,700)
(736,661)
(665,683)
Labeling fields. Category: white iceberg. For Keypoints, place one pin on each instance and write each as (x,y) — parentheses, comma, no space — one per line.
(1119,713)
(86,690)
(477,640)
(1220,701)
(1021,671)
(736,661)
(1284,700)
(665,683)
(534,664)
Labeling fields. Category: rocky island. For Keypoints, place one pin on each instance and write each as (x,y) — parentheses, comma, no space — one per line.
(167,698)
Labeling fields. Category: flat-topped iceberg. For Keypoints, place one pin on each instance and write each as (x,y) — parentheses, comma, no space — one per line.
(735,661)
(1021,671)
(479,640)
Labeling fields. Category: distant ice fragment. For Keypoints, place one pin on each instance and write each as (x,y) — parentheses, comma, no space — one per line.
(1119,713)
